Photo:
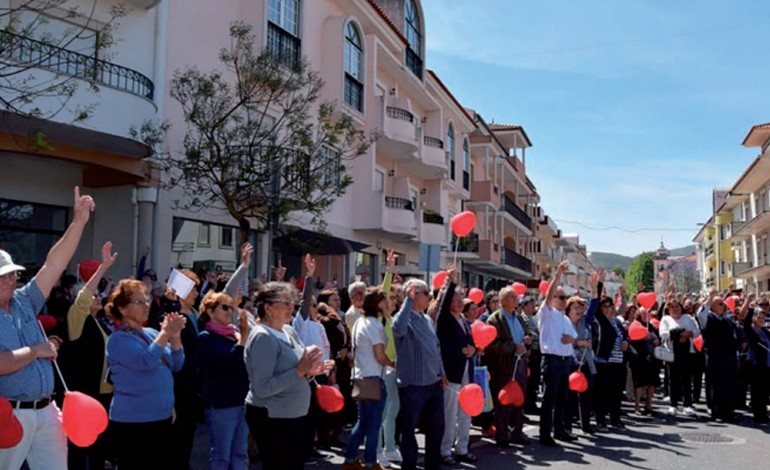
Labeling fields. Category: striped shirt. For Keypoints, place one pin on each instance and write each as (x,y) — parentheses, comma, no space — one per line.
(417,348)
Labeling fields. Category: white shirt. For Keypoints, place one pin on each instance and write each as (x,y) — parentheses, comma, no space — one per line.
(668,323)
(367,332)
(312,333)
(553,324)
(351,316)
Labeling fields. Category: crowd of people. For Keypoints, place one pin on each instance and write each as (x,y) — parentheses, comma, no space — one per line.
(246,363)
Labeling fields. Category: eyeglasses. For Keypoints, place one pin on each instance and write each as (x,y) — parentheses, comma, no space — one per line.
(281,302)
(226,307)
(10,277)
(562,297)
(141,301)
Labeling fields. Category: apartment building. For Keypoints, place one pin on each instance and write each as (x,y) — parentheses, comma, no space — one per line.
(576,278)
(44,158)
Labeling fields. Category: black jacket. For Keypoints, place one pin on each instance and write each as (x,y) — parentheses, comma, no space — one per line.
(604,335)
(453,338)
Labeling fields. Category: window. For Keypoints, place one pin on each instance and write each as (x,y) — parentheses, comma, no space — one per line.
(466,167)
(379,181)
(226,238)
(28,231)
(354,64)
(283,32)
(414,38)
(330,167)
(204,235)
(450,150)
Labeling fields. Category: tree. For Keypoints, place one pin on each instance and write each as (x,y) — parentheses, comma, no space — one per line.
(684,276)
(258,142)
(619,271)
(641,271)
(61,37)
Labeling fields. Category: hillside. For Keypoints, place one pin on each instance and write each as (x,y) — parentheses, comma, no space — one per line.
(610,260)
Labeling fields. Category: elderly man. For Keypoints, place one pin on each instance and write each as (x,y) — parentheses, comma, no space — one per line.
(557,335)
(507,360)
(356,292)
(26,373)
(421,377)
(721,345)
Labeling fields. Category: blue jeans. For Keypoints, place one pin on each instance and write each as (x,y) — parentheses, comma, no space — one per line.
(229,438)
(367,427)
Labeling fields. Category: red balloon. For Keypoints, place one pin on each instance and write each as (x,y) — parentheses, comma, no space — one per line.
(647,299)
(637,331)
(698,343)
(476,295)
(11,431)
(519,288)
(483,334)
(655,322)
(83,418)
(544,286)
(511,394)
(731,302)
(439,279)
(88,268)
(329,398)
(578,382)
(49,322)
(471,398)
(462,224)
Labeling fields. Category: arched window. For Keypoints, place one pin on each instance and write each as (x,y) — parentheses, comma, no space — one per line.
(414,38)
(466,166)
(354,68)
(283,31)
(450,150)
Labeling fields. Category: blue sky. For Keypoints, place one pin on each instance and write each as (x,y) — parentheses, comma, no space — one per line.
(636,108)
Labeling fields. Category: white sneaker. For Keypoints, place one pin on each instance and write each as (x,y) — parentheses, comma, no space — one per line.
(393,456)
(688,411)
(671,411)
(384,462)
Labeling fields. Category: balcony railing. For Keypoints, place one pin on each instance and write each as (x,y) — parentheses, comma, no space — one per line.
(398,203)
(467,244)
(39,54)
(709,250)
(517,261)
(433,142)
(283,46)
(432,218)
(414,62)
(517,213)
(400,114)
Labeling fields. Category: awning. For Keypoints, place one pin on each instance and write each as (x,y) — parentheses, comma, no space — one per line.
(301,241)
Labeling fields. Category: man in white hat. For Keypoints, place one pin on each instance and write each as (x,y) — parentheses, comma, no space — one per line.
(26,373)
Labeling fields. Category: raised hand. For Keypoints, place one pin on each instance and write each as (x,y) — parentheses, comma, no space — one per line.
(452,273)
(562,267)
(108,258)
(309,265)
(390,260)
(246,252)
(83,206)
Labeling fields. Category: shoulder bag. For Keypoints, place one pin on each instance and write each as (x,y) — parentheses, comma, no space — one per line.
(663,354)
(365,388)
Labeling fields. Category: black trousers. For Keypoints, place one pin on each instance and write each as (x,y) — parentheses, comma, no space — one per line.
(723,373)
(189,411)
(139,446)
(680,372)
(533,381)
(698,367)
(610,383)
(281,441)
(556,383)
(426,403)
(580,403)
(760,388)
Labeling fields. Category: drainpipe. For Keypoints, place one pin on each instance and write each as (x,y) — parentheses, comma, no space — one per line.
(134,230)
(159,59)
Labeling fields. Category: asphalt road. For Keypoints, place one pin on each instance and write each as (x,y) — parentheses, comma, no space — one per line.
(656,442)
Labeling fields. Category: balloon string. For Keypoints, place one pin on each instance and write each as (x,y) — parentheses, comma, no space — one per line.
(56,364)
(457,243)
(582,358)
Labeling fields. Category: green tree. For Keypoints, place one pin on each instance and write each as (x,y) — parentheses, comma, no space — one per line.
(63,37)
(640,274)
(618,270)
(258,142)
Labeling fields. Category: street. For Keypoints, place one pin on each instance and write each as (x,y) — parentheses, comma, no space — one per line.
(657,442)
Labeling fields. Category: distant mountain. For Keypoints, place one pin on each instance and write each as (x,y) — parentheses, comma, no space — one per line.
(683,251)
(610,260)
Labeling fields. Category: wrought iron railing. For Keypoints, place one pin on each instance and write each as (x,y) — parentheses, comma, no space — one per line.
(414,62)
(392,202)
(433,142)
(283,46)
(400,114)
(432,218)
(34,53)
(517,213)
(518,261)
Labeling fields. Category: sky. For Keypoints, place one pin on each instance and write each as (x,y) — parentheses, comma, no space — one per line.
(636,108)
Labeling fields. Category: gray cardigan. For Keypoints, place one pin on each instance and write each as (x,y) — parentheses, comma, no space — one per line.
(271,364)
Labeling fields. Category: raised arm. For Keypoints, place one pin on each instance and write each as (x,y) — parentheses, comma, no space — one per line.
(390,261)
(81,308)
(400,324)
(447,293)
(307,288)
(236,280)
(61,253)
(554,286)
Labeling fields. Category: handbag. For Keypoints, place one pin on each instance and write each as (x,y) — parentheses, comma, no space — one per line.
(663,354)
(365,388)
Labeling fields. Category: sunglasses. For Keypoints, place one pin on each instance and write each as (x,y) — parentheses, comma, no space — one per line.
(562,297)
(226,307)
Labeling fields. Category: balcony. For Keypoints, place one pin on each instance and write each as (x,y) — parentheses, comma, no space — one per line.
(399,134)
(432,161)
(709,252)
(518,214)
(483,192)
(739,268)
(432,229)
(467,247)
(755,226)
(388,216)
(515,260)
